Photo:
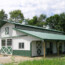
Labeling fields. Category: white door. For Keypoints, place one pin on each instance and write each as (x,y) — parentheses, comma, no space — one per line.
(6,46)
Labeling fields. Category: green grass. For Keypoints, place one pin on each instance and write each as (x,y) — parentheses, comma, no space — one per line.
(56,61)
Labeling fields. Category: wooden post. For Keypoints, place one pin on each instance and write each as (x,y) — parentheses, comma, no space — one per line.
(44,48)
(58,48)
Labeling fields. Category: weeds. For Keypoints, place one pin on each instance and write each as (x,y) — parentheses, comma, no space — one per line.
(55,61)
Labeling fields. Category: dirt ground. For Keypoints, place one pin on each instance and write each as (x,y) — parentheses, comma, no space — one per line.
(16,59)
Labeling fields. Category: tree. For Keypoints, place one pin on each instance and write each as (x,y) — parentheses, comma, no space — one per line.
(33,21)
(16,16)
(57,21)
(3,16)
(54,22)
(37,21)
(42,18)
(62,21)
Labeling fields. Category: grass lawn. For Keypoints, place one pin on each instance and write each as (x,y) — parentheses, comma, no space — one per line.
(55,61)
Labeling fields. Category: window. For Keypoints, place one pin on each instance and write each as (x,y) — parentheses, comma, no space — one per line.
(7,30)
(21,45)
(3,42)
(9,42)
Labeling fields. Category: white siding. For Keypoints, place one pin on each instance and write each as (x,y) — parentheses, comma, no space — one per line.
(31,38)
(11,26)
(34,50)
(27,40)
(16,42)
(16,33)
(12,32)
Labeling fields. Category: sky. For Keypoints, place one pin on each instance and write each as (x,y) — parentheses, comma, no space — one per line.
(30,8)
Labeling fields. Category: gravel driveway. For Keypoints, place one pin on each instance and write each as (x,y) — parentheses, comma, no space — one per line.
(16,59)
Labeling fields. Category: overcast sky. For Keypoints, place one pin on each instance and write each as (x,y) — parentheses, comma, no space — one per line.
(34,7)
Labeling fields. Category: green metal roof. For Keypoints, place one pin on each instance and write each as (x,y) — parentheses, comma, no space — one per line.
(42,35)
(36,27)
(31,26)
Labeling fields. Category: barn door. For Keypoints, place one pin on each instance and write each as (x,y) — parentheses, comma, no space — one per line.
(9,46)
(39,48)
(3,47)
(6,46)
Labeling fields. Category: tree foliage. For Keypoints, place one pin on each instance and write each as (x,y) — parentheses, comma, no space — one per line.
(53,21)
(3,16)
(16,15)
(57,21)
(37,21)
(42,18)
(62,23)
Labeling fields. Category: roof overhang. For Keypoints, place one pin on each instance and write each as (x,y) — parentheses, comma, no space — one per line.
(42,35)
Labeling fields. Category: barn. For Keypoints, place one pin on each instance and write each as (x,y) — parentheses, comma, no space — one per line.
(27,40)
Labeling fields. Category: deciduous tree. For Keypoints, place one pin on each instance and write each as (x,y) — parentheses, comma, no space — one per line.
(3,15)
(16,16)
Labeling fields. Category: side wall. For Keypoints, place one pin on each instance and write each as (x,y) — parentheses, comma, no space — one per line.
(27,45)
(22,52)
(12,32)
(16,40)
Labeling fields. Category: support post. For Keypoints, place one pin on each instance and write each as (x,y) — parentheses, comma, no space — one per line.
(58,48)
(44,48)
